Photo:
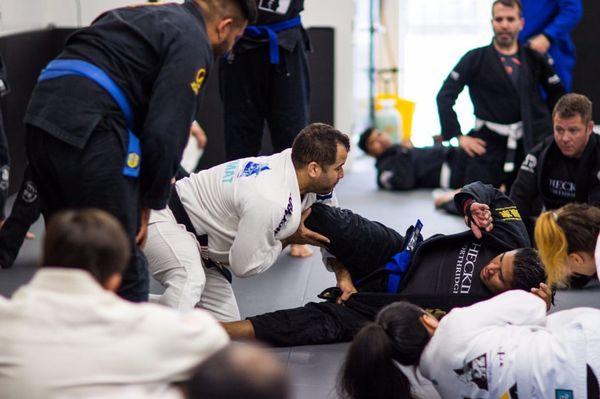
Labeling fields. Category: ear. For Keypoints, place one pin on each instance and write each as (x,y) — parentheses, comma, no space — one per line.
(112,283)
(590,127)
(224,28)
(430,323)
(314,169)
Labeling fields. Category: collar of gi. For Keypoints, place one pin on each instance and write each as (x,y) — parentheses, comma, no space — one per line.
(194,9)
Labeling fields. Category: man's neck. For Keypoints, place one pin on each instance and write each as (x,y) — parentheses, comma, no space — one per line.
(303,182)
(507,50)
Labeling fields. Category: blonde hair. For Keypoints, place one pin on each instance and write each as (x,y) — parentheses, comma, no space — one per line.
(572,228)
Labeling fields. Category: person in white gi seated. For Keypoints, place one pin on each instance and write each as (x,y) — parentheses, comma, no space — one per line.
(249,210)
(66,334)
(568,239)
(504,347)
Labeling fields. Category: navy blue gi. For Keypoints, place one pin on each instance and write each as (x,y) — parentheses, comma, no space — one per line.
(78,136)
(555,19)
(266,78)
(4,154)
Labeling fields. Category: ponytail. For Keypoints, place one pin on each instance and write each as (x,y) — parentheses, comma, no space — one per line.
(369,371)
(552,245)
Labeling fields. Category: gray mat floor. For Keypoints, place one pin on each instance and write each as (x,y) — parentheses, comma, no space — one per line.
(294,282)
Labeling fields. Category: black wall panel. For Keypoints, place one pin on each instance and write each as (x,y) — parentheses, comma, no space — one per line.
(586,77)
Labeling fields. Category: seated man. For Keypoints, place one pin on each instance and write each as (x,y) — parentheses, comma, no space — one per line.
(402,168)
(66,333)
(564,168)
(444,271)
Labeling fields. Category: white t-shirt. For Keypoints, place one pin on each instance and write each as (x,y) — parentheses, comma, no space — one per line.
(245,207)
(597,257)
(64,336)
(505,345)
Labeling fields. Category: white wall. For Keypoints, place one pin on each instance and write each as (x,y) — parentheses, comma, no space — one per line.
(21,15)
(338,14)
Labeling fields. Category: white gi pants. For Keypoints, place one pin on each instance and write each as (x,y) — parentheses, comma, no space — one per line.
(174,260)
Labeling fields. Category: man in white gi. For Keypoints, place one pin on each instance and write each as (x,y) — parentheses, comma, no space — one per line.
(238,217)
(66,334)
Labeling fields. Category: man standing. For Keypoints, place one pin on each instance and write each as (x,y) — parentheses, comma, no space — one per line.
(108,120)
(265,78)
(503,80)
(548,28)
(238,217)
(564,168)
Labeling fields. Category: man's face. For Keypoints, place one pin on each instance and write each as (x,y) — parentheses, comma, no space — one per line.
(331,174)
(377,143)
(572,135)
(506,23)
(497,275)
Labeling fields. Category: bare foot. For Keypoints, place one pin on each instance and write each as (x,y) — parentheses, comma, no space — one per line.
(300,251)
(441,197)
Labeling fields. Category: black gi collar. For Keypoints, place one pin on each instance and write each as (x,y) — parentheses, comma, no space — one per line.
(194,9)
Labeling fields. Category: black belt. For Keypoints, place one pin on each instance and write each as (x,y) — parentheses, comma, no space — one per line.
(183,218)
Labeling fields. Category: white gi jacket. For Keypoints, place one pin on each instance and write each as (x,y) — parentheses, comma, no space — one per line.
(597,257)
(63,336)
(246,207)
(496,348)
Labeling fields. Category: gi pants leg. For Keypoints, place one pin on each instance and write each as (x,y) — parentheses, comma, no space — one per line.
(253,90)
(174,261)
(92,177)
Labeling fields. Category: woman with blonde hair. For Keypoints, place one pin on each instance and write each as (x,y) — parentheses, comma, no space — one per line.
(567,240)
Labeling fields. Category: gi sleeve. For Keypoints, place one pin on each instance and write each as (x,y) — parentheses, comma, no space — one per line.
(515,307)
(525,192)
(550,81)
(508,225)
(396,172)
(255,247)
(569,14)
(170,114)
(446,98)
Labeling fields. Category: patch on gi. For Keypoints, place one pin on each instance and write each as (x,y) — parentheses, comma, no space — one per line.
(598,175)
(4,177)
(475,371)
(509,213)
(253,169)
(563,394)
(275,6)
(454,75)
(288,211)
(29,192)
(529,163)
(3,87)
(133,160)
(554,79)
(198,80)
(511,393)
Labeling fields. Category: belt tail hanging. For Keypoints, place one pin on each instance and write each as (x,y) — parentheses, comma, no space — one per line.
(271,31)
(399,263)
(63,67)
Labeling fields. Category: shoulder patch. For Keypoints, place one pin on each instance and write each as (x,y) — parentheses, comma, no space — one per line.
(198,80)
(509,213)
(254,169)
(30,194)
(4,177)
(530,163)
(454,75)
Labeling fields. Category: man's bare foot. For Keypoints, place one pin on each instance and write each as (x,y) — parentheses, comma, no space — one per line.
(300,251)
(440,197)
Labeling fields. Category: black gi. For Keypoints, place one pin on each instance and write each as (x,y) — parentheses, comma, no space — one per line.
(443,272)
(159,55)
(400,168)
(548,179)
(4,154)
(254,90)
(496,99)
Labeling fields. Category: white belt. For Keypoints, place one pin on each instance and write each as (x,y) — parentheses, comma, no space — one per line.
(513,131)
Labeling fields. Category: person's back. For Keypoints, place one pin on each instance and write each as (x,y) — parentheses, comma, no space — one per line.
(67,334)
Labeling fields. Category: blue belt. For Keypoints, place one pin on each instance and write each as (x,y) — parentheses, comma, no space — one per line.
(271,31)
(59,68)
(399,263)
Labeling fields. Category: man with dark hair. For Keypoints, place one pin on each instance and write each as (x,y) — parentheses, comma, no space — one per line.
(504,82)
(109,118)
(442,272)
(238,217)
(242,371)
(565,167)
(402,168)
(66,334)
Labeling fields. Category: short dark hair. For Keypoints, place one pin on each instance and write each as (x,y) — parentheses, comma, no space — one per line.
(573,104)
(509,3)
(528,270)
(239,371)
(88,239)
(364,138)
(236,9)
(318,142)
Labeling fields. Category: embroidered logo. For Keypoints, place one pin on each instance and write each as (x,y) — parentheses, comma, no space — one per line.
(554,79)
(229,173)
(288,211)
(475,371)
(465,267)
(276,6)
(454,75)
(508,213)
(29,192)
(529,163)
(198,81)
(562,188)
(4,176)
(563,394)
(254,169)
